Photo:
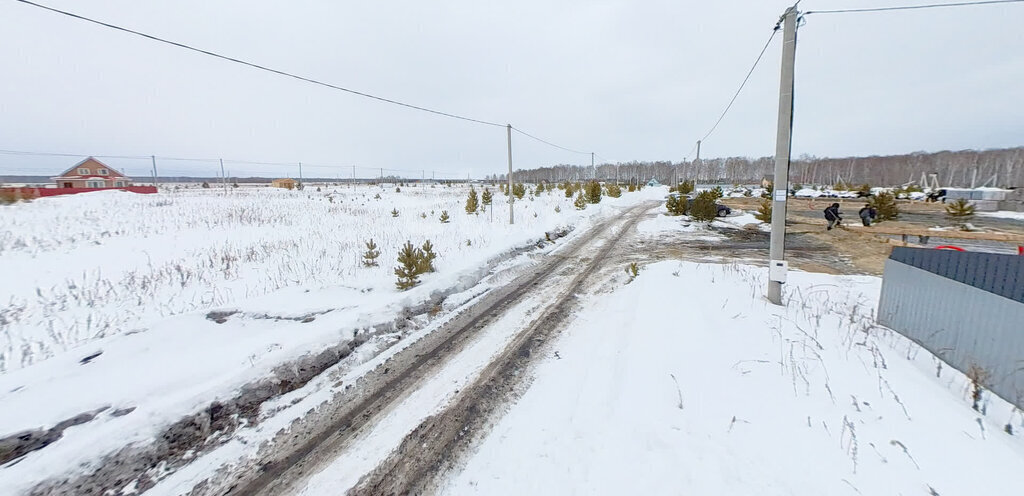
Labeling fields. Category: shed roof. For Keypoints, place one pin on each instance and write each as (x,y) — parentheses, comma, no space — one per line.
(997,273)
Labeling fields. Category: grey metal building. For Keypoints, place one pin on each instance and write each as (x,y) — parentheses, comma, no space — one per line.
(967,308)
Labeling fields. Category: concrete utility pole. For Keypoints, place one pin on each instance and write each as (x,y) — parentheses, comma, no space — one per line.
(300,175)
(353,183)
(156,179)
(783,147)
(696,163)
(511,199)
(223,178)
(592,165)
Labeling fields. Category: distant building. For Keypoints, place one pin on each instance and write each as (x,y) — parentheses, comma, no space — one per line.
(92,174)
(286,183)
(653,182)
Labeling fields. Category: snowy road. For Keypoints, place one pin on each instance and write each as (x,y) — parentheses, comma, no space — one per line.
(432,378)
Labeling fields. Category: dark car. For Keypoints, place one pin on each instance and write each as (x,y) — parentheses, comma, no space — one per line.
(721,210)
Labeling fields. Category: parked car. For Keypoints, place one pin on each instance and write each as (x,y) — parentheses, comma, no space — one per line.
(720,210)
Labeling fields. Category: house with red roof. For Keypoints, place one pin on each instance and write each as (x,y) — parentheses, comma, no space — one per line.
(92,174)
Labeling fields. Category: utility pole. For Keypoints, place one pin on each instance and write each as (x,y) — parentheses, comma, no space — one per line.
(223,178)
(511,199)
(783,147)
(592,165)
(156,179)
(353,184)
(300,176)
(696,163)
(381,177)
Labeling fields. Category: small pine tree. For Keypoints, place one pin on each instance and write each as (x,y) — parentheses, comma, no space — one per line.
(677,205)
(398,189)
(444,216)
(540,188)
(568,190)
(558,209)
(614,190)
(960,212)
(885,207)
(371,254)
(423,215)
(580,202)
(408,266)
(685,187)
(472,204)
(593,190)
(632,188)
(518,190)
(704,208)
(633,270)
(487,197)
(717,192)
(425,258)
(764,212)
(394,212)
(206,185)
(864,190)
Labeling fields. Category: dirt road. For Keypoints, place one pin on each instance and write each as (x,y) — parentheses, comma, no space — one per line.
(327,434)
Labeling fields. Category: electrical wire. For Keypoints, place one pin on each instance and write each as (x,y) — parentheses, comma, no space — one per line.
(524,133)
(911,7)
(744,83)
(289,75)
(258,66)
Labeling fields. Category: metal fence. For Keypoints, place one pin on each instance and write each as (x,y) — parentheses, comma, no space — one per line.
(967,308)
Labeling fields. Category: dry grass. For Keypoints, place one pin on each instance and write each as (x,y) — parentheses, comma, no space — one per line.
(9,196)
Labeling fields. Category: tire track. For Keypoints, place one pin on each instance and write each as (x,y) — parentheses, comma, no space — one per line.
(435,446)
(310,446)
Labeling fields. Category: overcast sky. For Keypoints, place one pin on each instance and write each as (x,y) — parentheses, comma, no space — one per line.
(628,79)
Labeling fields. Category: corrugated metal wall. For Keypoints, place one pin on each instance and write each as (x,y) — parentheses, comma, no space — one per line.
(966,308)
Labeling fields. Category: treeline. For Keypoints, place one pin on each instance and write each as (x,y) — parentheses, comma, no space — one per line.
(966,168)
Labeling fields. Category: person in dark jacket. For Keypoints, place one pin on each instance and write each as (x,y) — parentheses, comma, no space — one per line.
(867,214)
(832,216)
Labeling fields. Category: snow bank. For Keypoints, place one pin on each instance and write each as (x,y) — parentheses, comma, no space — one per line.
(727,394)
(1003,214)
(740,220)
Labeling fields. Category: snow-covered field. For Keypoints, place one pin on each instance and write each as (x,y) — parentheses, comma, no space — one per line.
(82,267)
(686,381)
(128,280)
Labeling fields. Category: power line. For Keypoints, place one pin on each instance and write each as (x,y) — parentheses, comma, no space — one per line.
(287,74)
(258,66)
(911,7)
(214,160)
(744,83)
(524,133)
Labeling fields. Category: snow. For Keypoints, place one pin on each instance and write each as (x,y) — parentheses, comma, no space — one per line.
(727,394)
(98,264)
(808,193)
(90,281)
(739,219)
(1003,214)
(825,192)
